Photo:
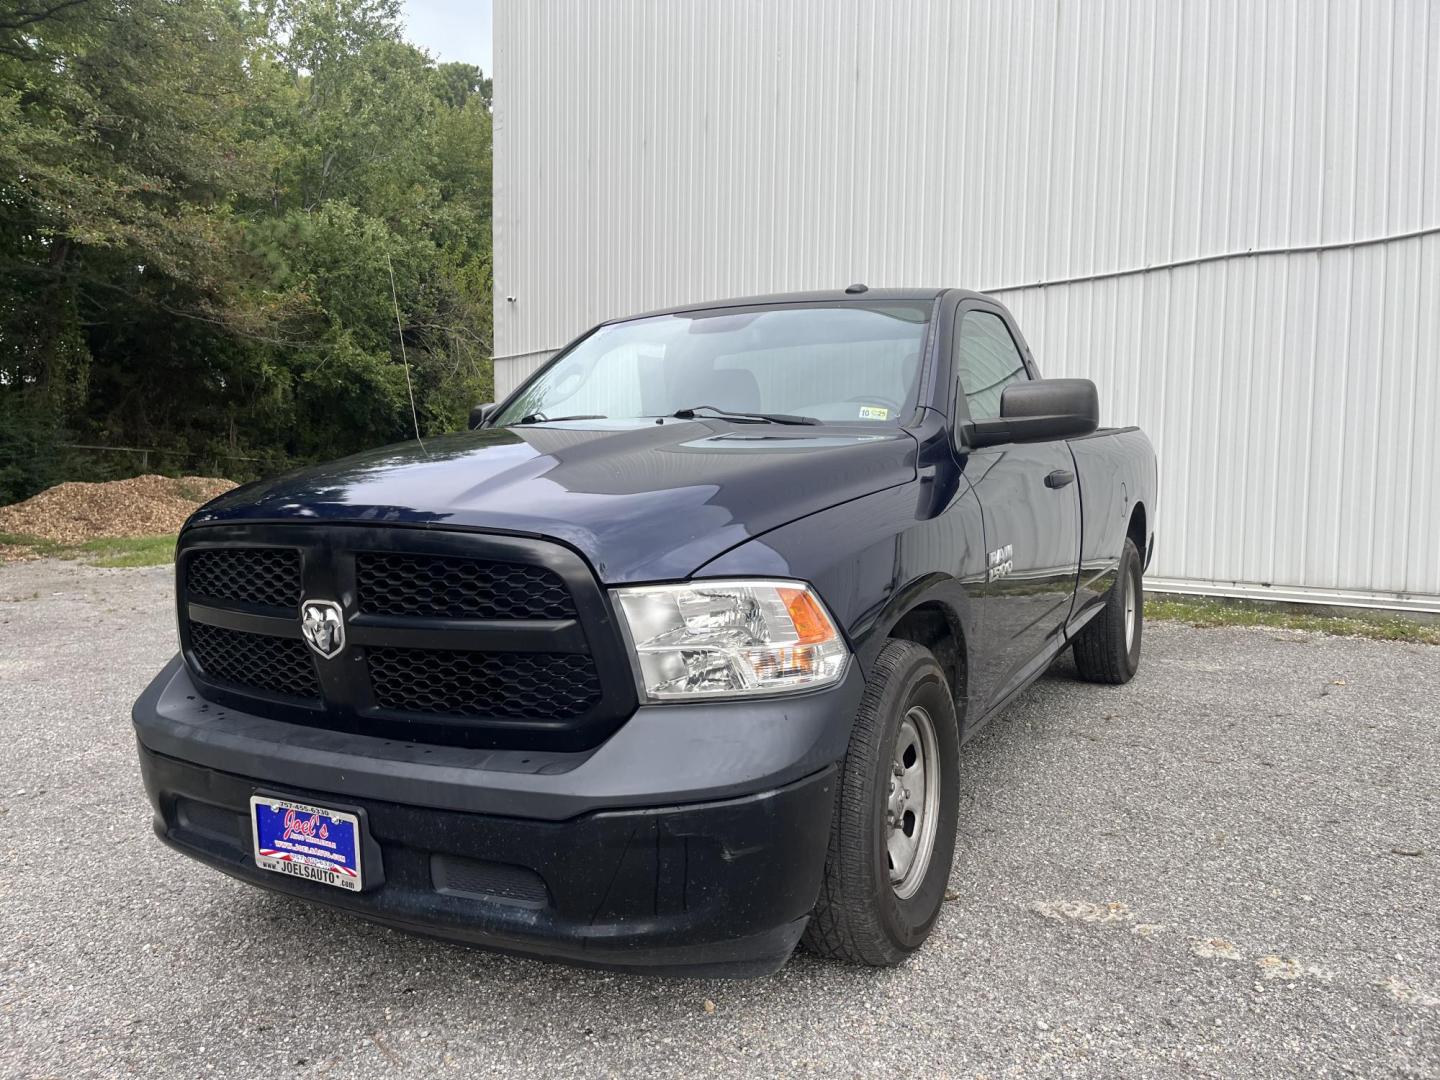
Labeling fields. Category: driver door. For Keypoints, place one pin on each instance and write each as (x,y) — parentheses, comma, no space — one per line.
(1030,510)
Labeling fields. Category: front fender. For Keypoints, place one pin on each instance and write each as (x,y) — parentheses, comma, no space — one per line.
(875,559)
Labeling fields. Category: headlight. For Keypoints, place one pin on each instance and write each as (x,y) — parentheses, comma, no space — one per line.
(711,638)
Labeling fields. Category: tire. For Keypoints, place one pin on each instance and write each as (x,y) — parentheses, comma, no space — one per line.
(1108,649)
(863,916)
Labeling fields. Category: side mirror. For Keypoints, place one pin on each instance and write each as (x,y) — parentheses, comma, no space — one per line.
(1041,411)
(480,413)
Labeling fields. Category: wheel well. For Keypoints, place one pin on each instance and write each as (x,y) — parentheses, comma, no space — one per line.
(1137,533)
(935,627)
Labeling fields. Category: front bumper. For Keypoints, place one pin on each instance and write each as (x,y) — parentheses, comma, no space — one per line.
(713,870)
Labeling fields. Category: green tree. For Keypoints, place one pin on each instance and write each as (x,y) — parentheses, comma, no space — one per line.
(116,157)
(201,204)
(461,82)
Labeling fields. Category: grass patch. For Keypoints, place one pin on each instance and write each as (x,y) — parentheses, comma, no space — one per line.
(1205,612)
(129,551)
(108,552)
(30,544)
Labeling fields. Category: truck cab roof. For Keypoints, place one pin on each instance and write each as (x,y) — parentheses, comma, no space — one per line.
(829,296)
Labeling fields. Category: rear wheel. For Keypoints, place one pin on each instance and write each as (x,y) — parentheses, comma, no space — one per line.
(1108,649)
(892,838)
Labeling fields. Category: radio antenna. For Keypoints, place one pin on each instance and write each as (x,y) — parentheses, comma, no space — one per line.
(400,329)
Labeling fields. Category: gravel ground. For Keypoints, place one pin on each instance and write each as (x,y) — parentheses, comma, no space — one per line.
(1230,867)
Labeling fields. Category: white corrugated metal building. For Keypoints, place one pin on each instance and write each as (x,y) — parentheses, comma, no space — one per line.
(1226,214)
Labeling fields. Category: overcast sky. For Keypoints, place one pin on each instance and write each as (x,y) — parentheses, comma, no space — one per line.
(451,29)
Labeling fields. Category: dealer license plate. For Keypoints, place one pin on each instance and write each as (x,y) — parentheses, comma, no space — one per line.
(306,841)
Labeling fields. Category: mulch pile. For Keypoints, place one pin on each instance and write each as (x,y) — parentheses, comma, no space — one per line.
(144,506)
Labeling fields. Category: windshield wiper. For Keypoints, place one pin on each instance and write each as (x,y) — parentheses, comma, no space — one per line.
(541,418)
(692,413)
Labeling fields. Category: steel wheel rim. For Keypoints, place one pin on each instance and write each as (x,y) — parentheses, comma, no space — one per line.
(912,803)
(1130,611)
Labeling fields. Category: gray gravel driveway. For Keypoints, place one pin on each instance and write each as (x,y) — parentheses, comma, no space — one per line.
(1230,867)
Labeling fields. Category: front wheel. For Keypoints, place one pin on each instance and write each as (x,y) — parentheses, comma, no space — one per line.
(892,838)
(1107,650)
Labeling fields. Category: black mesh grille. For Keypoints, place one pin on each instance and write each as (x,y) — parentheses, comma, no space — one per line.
(268,577)
(449,588)
(452,638)
(475,877)
(519,686)
(258,661)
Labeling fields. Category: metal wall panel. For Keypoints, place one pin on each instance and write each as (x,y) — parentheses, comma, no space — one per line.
(1065,155)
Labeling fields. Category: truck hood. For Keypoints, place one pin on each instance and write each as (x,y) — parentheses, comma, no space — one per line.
(643,501)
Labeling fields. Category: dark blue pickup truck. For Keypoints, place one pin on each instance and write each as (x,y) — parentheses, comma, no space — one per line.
(668,662)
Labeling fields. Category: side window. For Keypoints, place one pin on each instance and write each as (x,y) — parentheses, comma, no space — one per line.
(986,361)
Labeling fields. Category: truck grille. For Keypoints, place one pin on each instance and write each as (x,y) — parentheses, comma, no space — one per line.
(459,588)
(528,686)
(455,638)
(265,577)
(274,664)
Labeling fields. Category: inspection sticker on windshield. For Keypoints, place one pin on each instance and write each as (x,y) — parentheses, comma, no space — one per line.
(305,841)
(874,412)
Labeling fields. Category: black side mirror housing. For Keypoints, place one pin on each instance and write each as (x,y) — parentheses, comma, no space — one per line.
(1040,411)
(480,413)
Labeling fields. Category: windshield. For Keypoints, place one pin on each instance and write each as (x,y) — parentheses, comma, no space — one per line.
(853,363)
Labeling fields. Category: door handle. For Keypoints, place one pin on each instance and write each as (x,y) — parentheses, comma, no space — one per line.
(1059,478)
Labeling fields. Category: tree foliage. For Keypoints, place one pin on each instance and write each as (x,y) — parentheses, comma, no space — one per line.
(201,206)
